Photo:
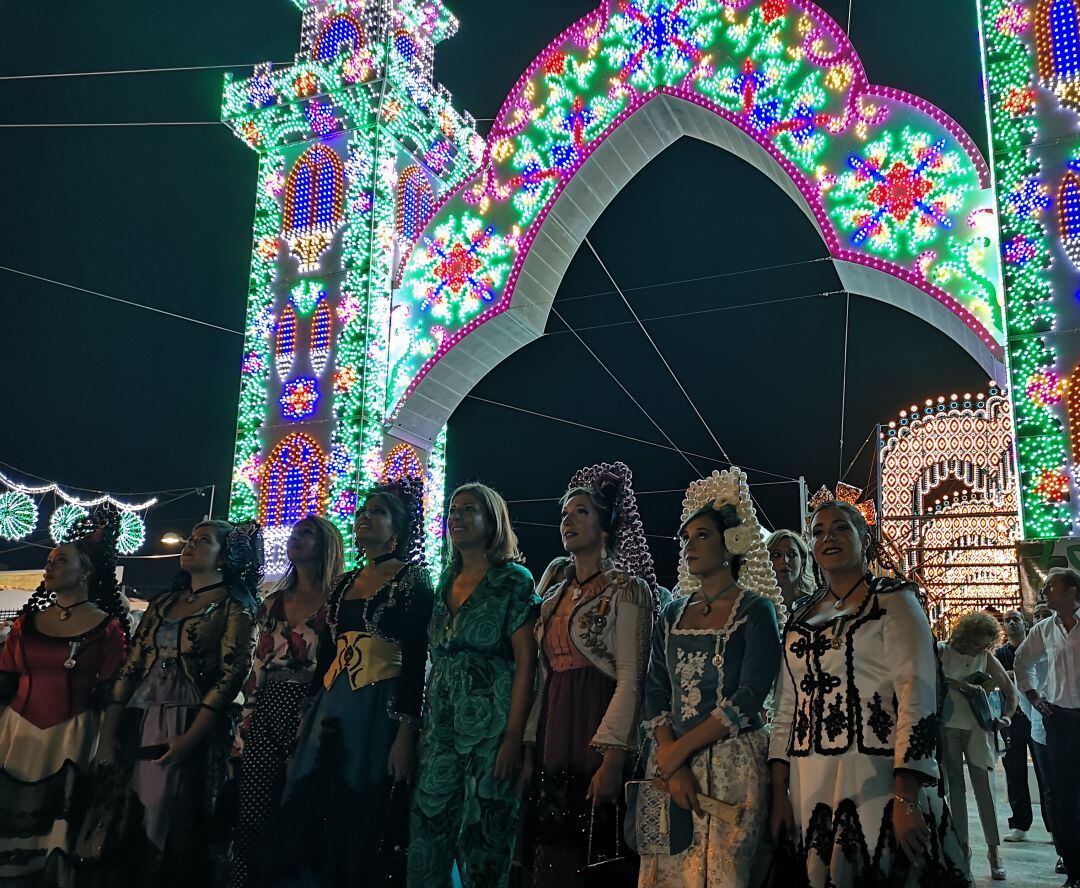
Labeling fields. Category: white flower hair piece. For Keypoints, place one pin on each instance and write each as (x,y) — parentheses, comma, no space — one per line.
(730,488)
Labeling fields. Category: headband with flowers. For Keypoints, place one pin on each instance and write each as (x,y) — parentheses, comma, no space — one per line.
(729,492)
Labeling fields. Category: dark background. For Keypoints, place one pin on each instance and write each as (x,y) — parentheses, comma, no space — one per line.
(102,395)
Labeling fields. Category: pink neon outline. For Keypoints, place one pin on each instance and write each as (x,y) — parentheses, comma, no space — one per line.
(860,87)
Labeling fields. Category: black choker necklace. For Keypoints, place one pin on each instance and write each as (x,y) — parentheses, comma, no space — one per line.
(65,609)
(841,600)
(382,559)
(194,594)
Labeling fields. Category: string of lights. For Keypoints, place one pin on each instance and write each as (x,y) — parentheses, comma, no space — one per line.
(128,302)
(68,74)
(712,459)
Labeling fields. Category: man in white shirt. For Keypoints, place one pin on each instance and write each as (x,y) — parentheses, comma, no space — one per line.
(1057,641)
(1025,734)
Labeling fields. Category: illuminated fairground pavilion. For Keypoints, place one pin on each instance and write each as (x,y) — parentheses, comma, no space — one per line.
(947,502)
(398,256)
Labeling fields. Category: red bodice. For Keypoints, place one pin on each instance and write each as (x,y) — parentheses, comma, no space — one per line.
(48,693)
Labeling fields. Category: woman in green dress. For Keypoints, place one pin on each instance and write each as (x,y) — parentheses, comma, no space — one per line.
(483,653)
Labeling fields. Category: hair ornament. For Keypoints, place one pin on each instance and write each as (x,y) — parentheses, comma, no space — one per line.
(410,490)
(613,484)
(244,552)
(101,527)
(728,493)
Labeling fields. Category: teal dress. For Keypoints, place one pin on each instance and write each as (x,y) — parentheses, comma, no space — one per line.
(460,812)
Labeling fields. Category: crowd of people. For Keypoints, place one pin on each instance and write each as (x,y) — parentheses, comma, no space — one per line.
(761,725)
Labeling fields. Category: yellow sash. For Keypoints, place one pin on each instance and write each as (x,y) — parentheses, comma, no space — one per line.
(365,659)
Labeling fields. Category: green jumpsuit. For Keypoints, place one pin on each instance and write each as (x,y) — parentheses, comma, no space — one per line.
(459,810)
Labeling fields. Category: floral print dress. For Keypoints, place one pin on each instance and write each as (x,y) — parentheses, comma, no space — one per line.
(460,811)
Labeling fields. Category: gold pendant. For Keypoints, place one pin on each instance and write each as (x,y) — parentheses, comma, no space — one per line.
(837,643)
(839,604)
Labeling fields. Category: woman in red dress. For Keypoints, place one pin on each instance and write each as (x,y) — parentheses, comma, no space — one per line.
(64,649)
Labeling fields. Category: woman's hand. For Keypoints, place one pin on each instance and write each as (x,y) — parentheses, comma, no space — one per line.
(782,816)
(105,754)
(401,764)
(683,787)
(911,830)
(669,758)
(508,761)
(528,764)
(179,749)
(607,783)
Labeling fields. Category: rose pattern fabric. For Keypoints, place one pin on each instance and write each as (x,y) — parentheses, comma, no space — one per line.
(459,809)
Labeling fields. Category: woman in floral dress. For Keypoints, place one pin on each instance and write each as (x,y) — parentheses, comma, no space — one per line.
(715,657)
(483,655)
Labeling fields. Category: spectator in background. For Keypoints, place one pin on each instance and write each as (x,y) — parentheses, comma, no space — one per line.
(1021,734)
(1057,642)
(970,668)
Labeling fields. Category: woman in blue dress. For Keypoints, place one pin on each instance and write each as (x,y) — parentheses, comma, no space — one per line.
(344,818)
(715,657)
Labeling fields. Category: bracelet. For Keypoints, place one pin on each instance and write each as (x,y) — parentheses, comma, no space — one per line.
(910,806)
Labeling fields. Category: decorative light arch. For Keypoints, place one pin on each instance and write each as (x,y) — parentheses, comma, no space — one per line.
(896,189)
(338,31)
(1057,39)
(1068,212)
(314,204)
(293,481)
(285,342)
(414,202)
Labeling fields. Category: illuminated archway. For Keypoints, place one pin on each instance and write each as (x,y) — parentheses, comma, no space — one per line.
(896,189)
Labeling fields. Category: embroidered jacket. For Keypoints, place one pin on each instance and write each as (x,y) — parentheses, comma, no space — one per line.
(611,628)
(216,648)
(723,673)
(866,685)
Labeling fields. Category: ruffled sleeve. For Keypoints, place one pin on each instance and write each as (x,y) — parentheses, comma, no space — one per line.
(909,654)
(657,708)
(140,652)
(235,653)
(757,673)
(632,612)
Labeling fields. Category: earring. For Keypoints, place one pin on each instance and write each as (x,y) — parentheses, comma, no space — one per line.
(393,544)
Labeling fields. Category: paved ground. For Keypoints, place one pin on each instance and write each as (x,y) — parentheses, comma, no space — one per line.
(1028,864)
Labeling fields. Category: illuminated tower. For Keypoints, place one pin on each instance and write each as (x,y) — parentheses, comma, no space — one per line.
(356,145)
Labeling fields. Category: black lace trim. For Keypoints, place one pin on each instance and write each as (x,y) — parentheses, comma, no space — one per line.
(836,721)
(923,743)
(881,723)
(828,831)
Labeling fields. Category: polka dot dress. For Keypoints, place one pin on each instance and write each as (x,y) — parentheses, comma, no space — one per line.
(269,745)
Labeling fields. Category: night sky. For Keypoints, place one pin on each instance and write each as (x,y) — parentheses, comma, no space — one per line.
(102,395)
